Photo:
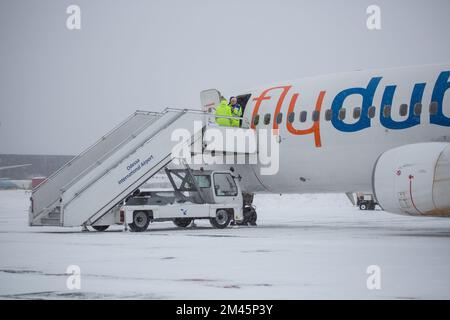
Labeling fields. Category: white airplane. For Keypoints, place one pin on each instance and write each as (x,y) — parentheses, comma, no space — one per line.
(383,131)
(386,131)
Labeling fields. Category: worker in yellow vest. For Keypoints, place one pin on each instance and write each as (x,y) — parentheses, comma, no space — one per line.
(236,111)
(223,109)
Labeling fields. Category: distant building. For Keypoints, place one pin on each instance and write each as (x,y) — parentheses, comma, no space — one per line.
(41,165)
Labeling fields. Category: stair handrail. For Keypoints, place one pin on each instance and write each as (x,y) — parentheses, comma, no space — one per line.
(106,155)
(50,177)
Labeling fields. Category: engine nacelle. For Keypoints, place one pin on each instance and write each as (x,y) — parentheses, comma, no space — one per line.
(414,179)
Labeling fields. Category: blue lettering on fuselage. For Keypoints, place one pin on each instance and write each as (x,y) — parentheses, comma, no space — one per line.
(338,102)
(438,118)
(413,118)
(440,87)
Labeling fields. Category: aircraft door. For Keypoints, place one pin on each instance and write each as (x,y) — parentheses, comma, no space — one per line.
(209,99)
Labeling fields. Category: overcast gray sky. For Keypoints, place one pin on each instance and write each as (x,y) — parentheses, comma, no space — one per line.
(60,90)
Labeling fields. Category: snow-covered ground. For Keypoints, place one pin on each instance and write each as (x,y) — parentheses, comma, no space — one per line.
(305,246)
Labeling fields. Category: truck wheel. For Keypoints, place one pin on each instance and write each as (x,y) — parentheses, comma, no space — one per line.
(141,220)
(362,206)
(221,220)
(182,222)
(100,228)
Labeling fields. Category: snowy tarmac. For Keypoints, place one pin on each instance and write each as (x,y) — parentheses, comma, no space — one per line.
(305,247)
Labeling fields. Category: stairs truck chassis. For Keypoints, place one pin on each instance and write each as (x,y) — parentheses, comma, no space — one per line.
(91,188)
(199,194)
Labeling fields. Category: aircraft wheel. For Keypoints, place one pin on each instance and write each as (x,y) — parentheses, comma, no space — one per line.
(221,220)
(253,218)
(250,216)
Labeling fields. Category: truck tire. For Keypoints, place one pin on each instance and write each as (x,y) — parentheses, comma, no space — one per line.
(100,228)
(221,220)
(182,222)
(362,206)
(141,220)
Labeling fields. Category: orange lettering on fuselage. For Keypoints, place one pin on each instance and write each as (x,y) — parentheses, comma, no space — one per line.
(263,97)
(315,128)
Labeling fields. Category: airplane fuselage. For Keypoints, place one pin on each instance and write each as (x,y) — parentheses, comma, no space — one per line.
(333,128)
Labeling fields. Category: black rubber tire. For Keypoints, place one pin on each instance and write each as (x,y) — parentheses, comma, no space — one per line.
(100,228)
(253,218)
(250,216)
(221,220)
(363,206)
(182,222)
(140,223)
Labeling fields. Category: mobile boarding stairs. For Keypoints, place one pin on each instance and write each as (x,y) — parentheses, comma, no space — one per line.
(89,186)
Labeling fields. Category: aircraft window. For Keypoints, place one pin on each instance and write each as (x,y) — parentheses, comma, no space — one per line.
(267,118)
(417,109)
(279,118)
(303,115)
(403,109)
(315,115)
(342,114)
(256,120)
(387,111)
(356,113)
(291,117)
(433,107)
(328,114)
(371,112)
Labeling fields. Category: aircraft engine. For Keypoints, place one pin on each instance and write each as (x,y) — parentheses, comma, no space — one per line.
(414,179)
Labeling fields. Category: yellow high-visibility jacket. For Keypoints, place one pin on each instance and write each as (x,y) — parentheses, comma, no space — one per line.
(223,109)
(236,112)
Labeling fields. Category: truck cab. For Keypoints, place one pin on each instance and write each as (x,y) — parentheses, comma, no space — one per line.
(196,194)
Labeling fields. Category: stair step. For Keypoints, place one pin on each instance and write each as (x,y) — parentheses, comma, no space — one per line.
(54,215)
(50,222)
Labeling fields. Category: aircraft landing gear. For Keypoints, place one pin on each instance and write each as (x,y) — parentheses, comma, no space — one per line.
(250,215)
